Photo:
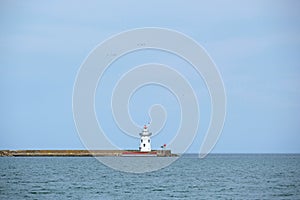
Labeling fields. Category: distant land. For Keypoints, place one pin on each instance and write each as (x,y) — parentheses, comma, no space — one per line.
(14,153)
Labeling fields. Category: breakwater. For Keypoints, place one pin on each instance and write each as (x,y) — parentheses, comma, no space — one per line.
(15,153)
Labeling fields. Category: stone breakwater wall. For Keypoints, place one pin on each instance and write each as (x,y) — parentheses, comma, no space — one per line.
(159,153)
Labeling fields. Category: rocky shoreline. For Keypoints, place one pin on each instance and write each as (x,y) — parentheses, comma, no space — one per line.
(86,153)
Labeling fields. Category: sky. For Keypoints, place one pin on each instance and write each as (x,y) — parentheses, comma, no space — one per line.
(254,44)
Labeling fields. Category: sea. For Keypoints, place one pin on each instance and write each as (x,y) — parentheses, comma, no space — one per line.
(217,176)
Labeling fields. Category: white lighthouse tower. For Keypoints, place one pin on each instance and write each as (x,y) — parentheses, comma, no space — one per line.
(145,144)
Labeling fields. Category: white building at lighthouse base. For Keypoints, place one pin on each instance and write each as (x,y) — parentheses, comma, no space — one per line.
(145,144)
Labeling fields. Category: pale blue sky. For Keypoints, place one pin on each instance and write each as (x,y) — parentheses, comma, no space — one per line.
(255,44)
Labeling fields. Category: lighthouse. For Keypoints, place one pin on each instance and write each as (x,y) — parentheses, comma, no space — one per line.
(145,144)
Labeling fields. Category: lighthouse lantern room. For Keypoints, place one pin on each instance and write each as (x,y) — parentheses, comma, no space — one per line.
(145,144)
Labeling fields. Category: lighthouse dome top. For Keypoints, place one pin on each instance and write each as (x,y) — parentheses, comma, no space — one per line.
(145,132)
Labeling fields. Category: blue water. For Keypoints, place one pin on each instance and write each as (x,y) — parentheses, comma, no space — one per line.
(215,177)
